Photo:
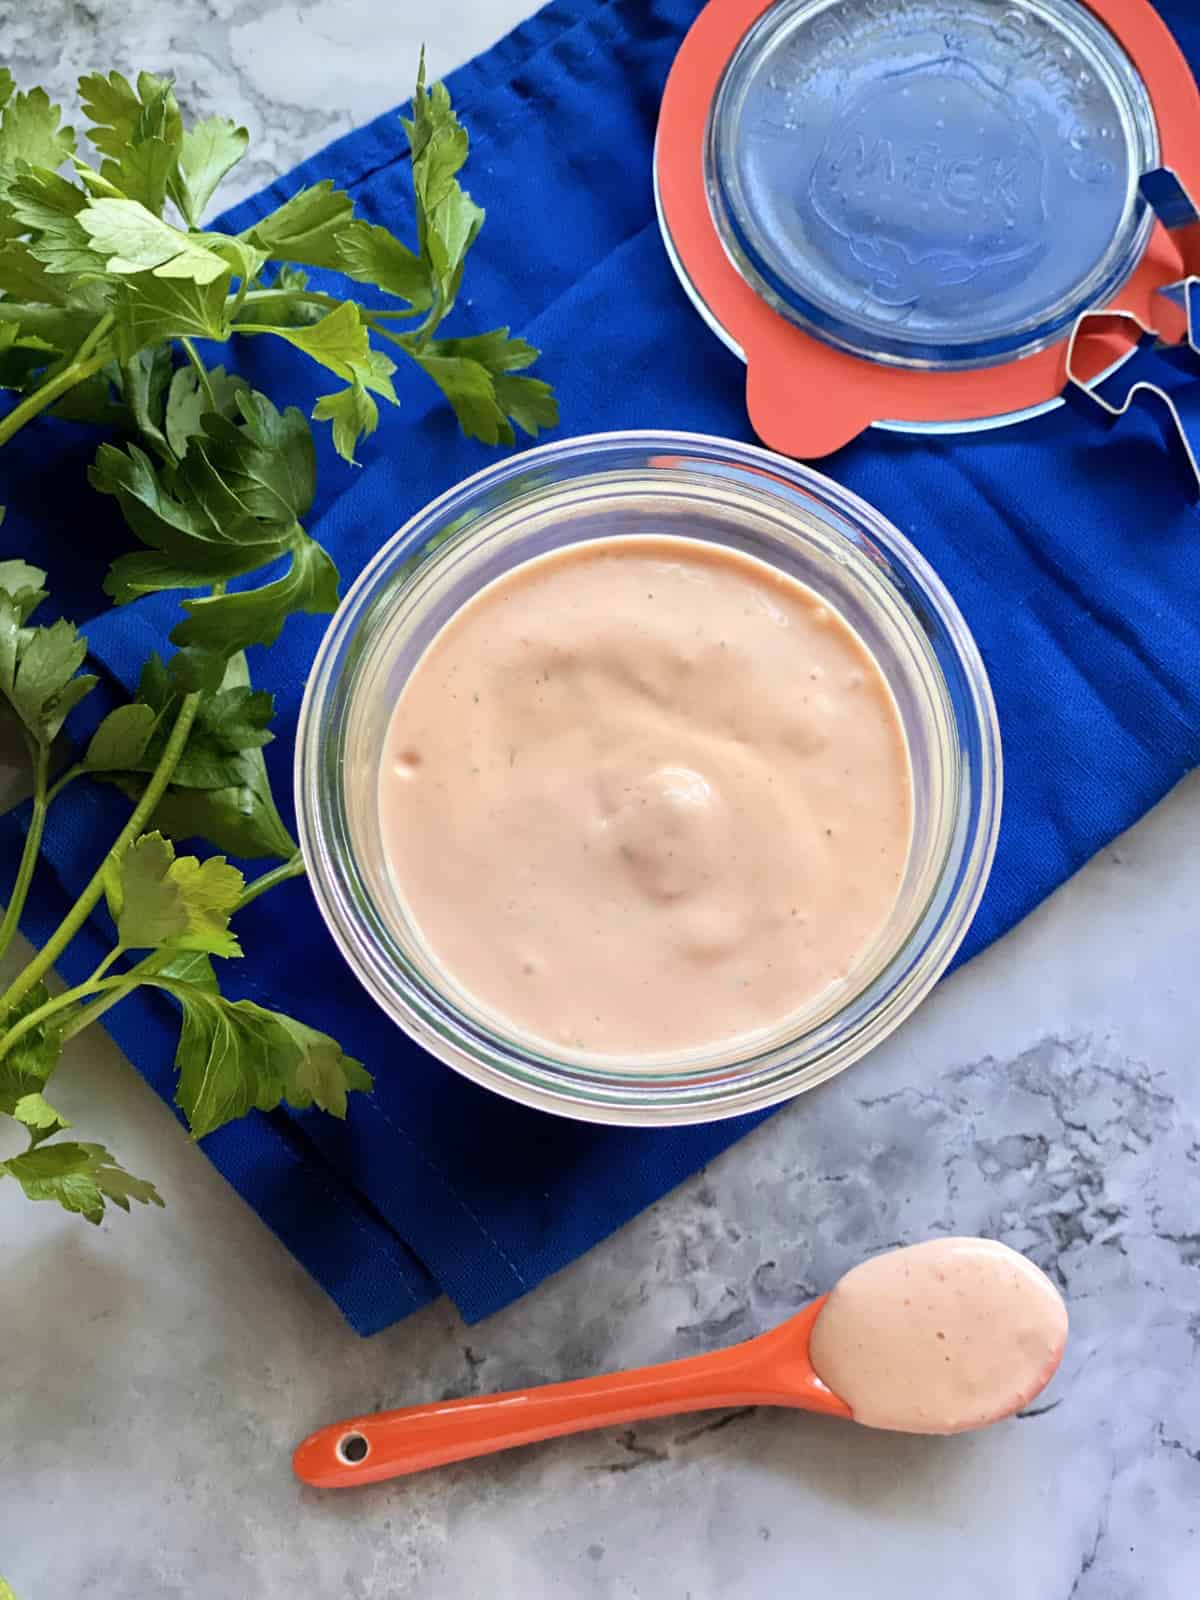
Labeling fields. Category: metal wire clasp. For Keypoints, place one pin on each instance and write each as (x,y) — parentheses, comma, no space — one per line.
(1173,205)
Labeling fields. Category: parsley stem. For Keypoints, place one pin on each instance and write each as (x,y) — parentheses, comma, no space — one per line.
(33,845)
(82,909)
(42,399)
(68,777)
(153,963)
(201,372)
(94,338)
(294,868)
(124,984)
(238,299)
(115,954)
(59,1002)
(373,314)
(83,364)
(314,297)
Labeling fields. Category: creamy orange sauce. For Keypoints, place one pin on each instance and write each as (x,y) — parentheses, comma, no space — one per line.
(941,1337)
(643,796)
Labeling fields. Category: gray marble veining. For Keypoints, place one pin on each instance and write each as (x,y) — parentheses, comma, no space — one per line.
(296,74)
(157,1371)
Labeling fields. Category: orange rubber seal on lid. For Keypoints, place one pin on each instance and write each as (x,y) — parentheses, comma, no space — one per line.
(804,396)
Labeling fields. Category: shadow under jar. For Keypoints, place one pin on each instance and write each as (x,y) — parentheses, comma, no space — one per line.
(702,489)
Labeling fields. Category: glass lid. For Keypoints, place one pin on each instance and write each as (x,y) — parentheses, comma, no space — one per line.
(931,183)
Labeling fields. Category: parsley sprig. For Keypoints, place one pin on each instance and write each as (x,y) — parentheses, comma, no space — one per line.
(108,278)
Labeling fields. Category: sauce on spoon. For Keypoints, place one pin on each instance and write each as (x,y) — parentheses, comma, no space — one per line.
(940,1337)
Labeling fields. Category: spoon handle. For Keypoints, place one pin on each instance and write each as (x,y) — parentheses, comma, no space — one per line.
(390,1444)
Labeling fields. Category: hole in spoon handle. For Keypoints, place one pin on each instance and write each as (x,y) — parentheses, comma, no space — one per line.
(773,1369)
(392,1444)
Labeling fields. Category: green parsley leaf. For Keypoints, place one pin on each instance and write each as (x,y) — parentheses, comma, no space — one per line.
(318,1073)
(354,416)
(23,585)
(147,572)
(497,350)
(139,131)
(27,1064)
(266,460)
(36,1114)
(81,1177)
(41,199)
(163,902)
(6,88)
(187,403)
(232,724)
(192,967)
(196,671)
(236,620)
(370,254)
(154,684)
(132,239)
(448,220)
(47,206)
(121,115)
(145,161)
(341,342)
(237,718)
(235,1055)
(92,402)
(145,379)
(476,375)
(121,740)
(470,390)
(143,173)
(38,669)
(95,183)
(209,151)
(152,309)
(241,820)
(529,402)
(12,338)
(206,762)
(112,107)
(22,356)
(306,228)
(206,530)
(30,135)
(233,503)
(35,1111)
(24,277)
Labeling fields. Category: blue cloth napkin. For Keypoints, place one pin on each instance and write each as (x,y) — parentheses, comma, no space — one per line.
(1074,553)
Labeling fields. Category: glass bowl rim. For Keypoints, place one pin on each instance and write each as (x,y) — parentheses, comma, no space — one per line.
(703,1100)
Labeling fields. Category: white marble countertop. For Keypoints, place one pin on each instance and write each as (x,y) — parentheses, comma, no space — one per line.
(157,1371)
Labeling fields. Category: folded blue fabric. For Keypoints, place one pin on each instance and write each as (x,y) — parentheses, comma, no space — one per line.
(1073,552)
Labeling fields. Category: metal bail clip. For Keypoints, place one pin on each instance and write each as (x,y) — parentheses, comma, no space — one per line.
(1173,205)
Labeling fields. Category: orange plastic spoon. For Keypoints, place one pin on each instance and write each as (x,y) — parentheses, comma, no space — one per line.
(773,1369)
(933,1338)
